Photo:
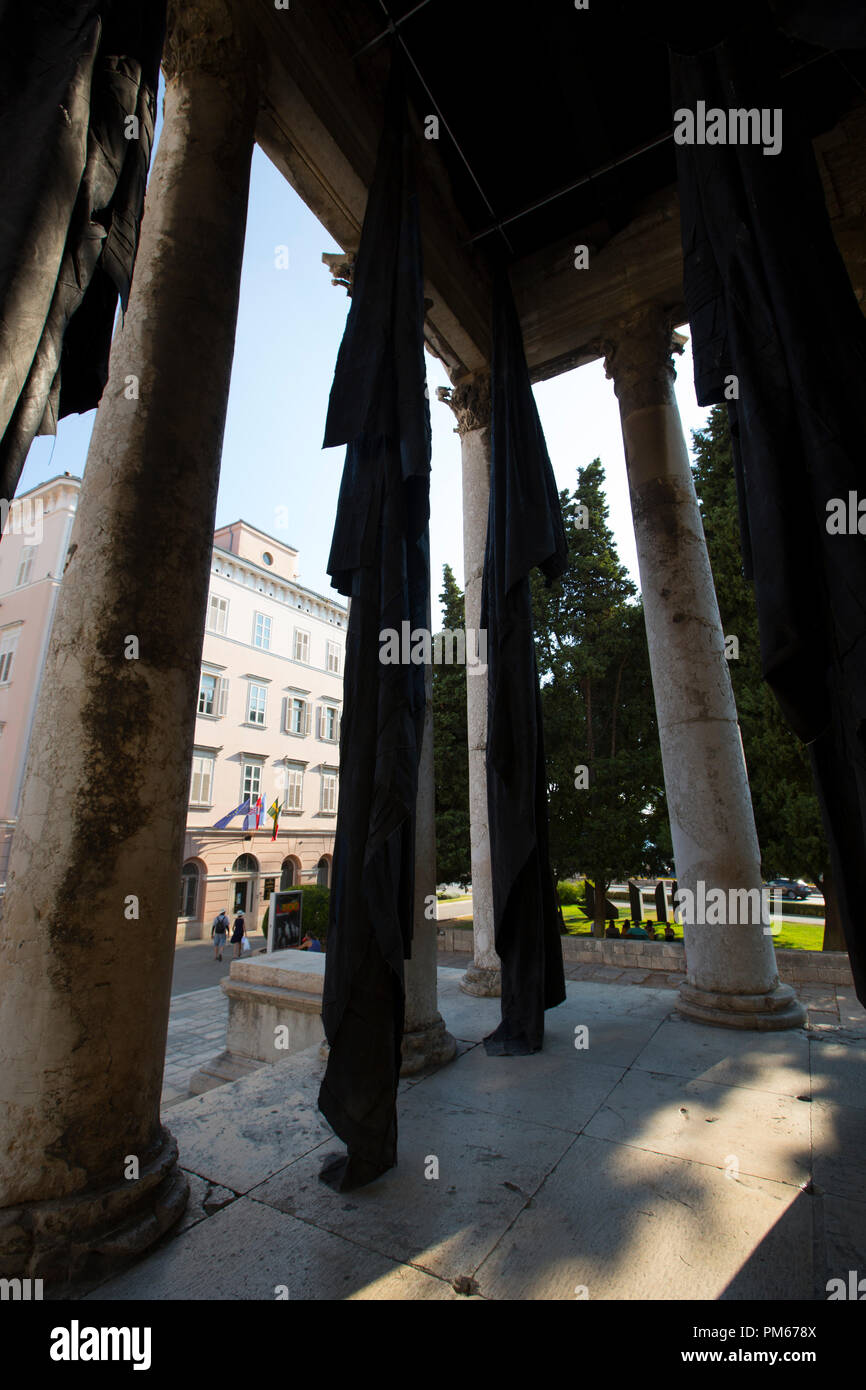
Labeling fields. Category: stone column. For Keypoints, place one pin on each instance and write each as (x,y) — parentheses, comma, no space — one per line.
(87,1171)
(426,1041)
(732,976)
(470,401)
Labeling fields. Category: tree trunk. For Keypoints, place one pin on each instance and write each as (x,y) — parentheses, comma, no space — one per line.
(601,888)
(834,937)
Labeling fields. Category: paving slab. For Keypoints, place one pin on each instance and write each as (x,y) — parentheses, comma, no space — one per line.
(250,1251)
(562,1089)
(839,1139)
(614,1222)
(845,1244)
(777,1062)
(768,1135)
(238,1135)
(488,1166)
(839,1069)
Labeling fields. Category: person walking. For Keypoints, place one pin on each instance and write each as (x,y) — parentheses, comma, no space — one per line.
(219,931)
(238,934)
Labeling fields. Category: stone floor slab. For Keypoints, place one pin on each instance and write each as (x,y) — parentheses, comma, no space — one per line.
(777,1062)
(250,1251)
(488,1167)
(839,1139)
(839,1070)
(767,1135)
(238,1135)
(558,1088)
(614,1222)
(845,1246)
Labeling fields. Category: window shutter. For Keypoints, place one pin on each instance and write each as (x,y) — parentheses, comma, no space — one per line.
(306,717)
(223,697)
(287,705)
(319,722)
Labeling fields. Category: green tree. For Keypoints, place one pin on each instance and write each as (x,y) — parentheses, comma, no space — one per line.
(451,750)
(607,810)
(787,814)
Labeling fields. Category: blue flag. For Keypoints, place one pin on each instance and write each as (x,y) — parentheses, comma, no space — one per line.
(244,807)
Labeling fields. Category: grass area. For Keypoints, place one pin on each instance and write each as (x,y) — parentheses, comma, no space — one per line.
(798,936)
(453,897)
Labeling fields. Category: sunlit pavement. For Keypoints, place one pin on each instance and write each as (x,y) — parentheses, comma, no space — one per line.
(657,1158)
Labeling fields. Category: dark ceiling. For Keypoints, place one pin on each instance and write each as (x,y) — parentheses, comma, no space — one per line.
(540,96)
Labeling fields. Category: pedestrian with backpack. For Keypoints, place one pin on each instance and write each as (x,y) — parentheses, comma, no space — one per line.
(219,931)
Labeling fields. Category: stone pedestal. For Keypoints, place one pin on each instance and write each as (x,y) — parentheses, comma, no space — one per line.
(470,401)
(426,1040)
(87,1172)
(732,976)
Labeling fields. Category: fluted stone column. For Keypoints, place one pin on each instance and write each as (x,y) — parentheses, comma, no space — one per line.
(470,401)
(732,976)
(87,1171)
(426,1041)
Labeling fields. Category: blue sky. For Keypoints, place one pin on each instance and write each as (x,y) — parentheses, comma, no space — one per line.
(289,329)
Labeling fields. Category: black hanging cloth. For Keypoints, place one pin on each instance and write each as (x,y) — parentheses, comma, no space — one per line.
(770,304)
(524,529)
(380,560)
(78,82)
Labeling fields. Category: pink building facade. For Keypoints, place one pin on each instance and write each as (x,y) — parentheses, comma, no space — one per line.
(268,716)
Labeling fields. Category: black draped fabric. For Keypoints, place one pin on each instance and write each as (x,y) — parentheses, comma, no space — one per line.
(72,73)
(380,560)
(524,530)
(770,302)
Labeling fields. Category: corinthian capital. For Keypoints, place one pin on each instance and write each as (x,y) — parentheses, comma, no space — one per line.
(638,356)
(212,36)
(470,401)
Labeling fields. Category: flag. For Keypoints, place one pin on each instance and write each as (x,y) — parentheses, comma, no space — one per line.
(253,820)
(238,811)
(274,813)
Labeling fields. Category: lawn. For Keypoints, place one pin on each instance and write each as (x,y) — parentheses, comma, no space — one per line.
(798,936)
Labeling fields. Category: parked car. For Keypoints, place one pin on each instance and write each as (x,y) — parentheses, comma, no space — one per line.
(790,887)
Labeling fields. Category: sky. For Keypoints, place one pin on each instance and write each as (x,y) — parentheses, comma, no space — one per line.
(290,324)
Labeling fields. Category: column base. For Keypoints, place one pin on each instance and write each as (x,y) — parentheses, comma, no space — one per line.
(93,1232)
(484,981)
(431,1046)
(778,1008)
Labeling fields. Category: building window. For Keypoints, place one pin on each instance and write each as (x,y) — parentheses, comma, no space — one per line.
(25,565)
(188,891)
(252,783)
(329,791)
(302,646)
(297,715)
(213,694)
(207,694)
(256,704)
(262,632)
(202,779)
(328,724)
(217,614)
(267,557)
(322,872)
(293,799)
(7,653)
(334,655)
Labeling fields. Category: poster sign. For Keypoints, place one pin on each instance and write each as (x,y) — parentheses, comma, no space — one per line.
(284,920)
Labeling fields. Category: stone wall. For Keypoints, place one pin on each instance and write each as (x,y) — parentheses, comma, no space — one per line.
(795,967)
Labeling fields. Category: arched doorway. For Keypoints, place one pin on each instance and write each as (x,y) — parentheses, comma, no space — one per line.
(189,881)
(323,872)
(290,873)
(245,867)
